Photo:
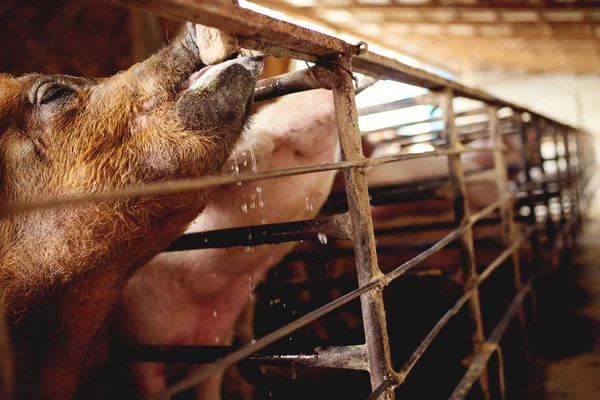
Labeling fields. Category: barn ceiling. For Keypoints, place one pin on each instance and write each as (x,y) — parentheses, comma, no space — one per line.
(469,36)
(95,38)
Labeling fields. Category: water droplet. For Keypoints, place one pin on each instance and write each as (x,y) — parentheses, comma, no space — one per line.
(245,207)
(217,339)
(261,204)
(258,189)
(294,376)
(239,183)
(215,313)
(205,240)
(322,237)
(253,205)
(247,249)
(263,221)
(253,341)
(214,274)
(250,236)
(307,205)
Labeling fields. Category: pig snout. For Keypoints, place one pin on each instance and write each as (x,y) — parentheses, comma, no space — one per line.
(202,103)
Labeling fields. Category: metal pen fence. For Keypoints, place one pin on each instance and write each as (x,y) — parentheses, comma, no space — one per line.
(540,192)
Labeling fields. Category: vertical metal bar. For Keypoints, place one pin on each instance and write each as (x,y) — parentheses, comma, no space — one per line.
(570,190)
(501,380)
(373,311)
(509,229)
(527,165)
(538,132)
(559,175)
(461,214)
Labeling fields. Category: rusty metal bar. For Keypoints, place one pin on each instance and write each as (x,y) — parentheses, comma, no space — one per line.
(501,380)
(337,226)
(292,82)
(408,366)
(266,340)
(248,350)
(461,215)
(373,311)
(476,111)
(278,334)
(509,228)
(491,345)
(259,32)
(452,236)
(527,165)
(244,23)
(344,357)
(381,389)
(298,81)
(212,181)
(423,99)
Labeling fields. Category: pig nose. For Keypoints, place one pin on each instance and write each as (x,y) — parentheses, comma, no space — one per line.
(253,64)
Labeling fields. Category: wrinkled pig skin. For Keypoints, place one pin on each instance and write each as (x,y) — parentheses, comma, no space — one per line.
(195,297)
(62,269)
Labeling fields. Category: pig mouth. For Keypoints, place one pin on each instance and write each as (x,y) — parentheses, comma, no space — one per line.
(195,77)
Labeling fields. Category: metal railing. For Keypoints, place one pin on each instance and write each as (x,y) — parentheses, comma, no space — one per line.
(336,60)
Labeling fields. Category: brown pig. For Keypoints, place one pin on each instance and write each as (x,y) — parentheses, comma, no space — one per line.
(61,269)
(194,297)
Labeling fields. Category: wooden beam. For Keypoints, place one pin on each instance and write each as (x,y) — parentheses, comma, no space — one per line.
(523,6)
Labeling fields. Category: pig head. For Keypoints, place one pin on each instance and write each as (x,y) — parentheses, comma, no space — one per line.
(194,297)
(169,117)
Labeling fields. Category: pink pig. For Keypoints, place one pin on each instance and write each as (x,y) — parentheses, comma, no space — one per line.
(195,297)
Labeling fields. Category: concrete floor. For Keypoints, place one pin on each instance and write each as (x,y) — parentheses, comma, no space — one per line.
(568,335)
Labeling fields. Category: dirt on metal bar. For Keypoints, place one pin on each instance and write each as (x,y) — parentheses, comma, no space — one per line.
(374,321)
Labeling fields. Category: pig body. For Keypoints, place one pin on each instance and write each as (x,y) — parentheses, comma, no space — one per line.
(195,297)
(62,269)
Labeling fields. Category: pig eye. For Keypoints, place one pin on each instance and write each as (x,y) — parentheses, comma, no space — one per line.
(52,93)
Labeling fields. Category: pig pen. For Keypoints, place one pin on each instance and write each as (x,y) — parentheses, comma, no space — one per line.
(327,318)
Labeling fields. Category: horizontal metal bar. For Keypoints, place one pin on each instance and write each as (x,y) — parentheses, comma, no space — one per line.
(174,186)
(244,23)
(337,226)
(489,346)
(424,99)
(197,377)
(343,357)
(458,305)
(299,81)
(476,111)
(255,30)
(194,378)
(473,218)
(292,82)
